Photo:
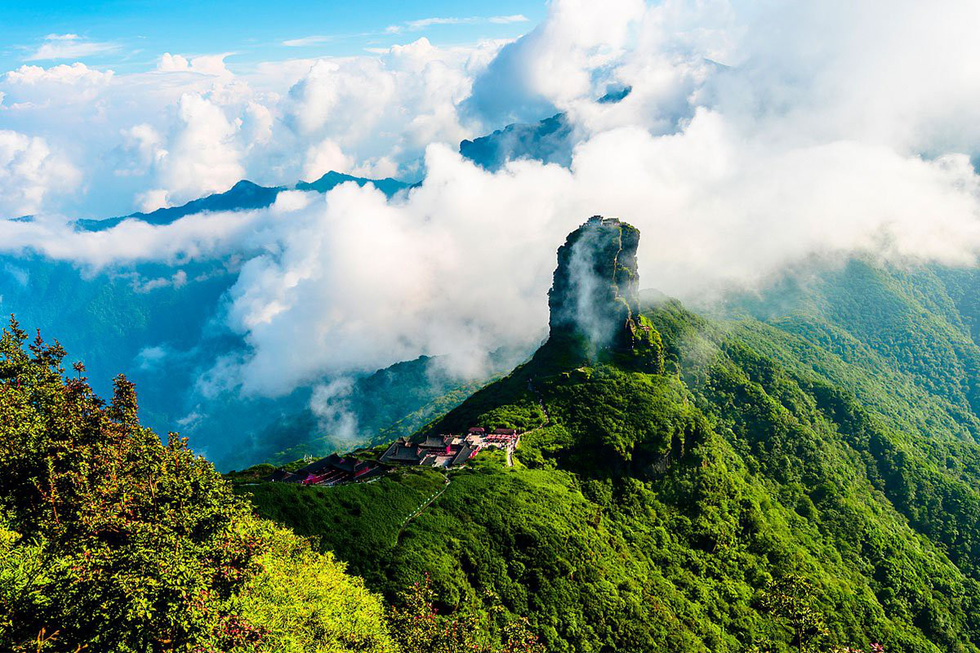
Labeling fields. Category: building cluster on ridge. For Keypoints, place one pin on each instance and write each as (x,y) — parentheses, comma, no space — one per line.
(449,450)
(437,451)
(332,470)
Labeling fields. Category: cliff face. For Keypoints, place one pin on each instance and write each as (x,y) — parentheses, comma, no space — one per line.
(595,294)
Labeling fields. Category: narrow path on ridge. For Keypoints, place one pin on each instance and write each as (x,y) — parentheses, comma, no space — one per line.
(510,463)
(425,504)
(544,409)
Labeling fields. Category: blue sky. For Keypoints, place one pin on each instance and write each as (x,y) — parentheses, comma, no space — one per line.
(130,35)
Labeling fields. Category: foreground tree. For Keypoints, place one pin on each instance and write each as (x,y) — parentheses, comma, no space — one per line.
(790,598)
(113,541)
(419,628)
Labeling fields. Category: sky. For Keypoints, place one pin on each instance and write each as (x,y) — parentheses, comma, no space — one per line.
(129,36)
(758,135)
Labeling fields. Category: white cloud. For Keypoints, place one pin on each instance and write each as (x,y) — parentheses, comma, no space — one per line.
(556,63)
(74,74)
(210,64)
(371,282)
(506,20)
(324,157)
(424,23)
(381,110)
(203,156)
(202,237)
(35,89)
(153,199)
(391,105)
(69,46)
(428,22)
(146,147)
(380,168)
(330,402)
(177,280)
(150,358)
(307,41)
(257,124)
(29,172)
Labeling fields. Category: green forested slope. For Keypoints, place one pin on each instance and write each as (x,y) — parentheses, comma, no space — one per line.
(821,456)
(111,540)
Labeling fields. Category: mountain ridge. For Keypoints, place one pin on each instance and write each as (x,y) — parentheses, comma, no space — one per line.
(670,509)
(244,195)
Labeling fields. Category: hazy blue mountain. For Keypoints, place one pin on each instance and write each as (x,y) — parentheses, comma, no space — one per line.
(388,186)
(243,196)
(549,140)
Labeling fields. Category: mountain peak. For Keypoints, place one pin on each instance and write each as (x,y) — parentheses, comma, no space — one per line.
(595,295)
(332,179)
(245,185)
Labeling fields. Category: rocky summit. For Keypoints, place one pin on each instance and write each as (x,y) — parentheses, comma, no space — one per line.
(595,295)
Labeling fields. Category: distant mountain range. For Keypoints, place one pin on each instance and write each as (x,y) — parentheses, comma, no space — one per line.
(243,196)
(549,140)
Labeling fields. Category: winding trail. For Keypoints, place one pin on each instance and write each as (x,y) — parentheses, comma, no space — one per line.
(544,409)
(425,504)
(510,463)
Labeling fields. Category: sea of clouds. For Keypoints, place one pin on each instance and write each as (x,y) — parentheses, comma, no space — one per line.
(757,135)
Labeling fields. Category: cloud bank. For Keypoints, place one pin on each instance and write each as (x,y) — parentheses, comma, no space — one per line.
(29,173)
(192,126)
(754,137)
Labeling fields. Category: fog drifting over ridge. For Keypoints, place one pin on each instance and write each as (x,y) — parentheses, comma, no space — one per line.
(754,137)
